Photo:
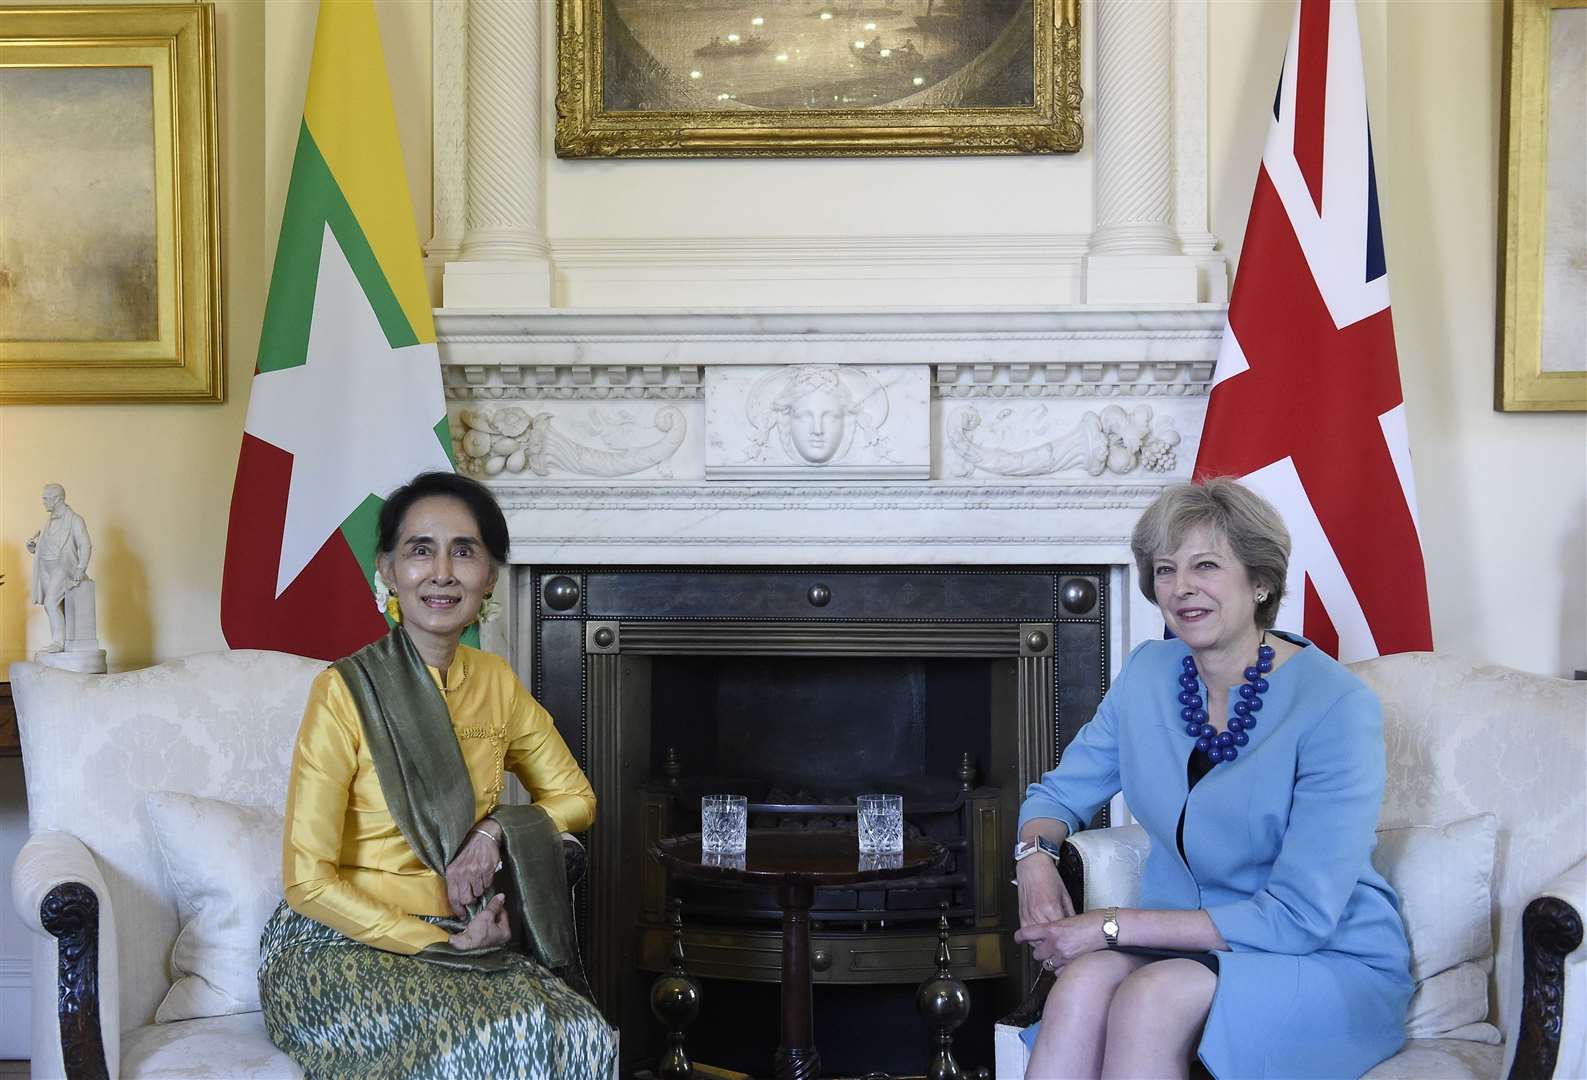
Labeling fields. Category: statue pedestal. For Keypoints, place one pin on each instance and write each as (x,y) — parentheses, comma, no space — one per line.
(82,652)
(86,662)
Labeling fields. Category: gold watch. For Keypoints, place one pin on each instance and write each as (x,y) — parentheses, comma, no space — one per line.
(1110,926)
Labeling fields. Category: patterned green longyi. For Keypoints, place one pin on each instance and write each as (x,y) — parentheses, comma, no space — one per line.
(340,1008)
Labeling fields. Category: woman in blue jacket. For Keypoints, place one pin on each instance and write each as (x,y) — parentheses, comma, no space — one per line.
(1265,944)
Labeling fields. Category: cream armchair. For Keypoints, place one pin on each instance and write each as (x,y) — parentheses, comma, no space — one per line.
(91,882)
(1462,740)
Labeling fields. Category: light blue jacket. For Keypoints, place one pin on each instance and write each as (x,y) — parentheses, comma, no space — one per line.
(1278,847)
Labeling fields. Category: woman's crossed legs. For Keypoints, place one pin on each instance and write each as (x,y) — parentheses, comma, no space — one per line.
(1115,1015)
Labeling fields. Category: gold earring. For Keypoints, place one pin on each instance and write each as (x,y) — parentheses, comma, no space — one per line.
(393,605)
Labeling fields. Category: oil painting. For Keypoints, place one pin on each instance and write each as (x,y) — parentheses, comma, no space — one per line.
(805,77)
(817,54)
(77,228)
(110,268)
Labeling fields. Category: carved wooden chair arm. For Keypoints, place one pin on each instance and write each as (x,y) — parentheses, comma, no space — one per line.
(59,892)
(1551,1041)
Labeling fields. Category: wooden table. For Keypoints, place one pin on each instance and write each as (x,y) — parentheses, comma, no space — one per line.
(796,862)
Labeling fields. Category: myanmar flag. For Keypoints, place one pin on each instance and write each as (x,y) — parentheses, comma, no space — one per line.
(346,402)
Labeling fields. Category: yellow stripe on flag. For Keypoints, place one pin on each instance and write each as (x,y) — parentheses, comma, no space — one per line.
(348,111)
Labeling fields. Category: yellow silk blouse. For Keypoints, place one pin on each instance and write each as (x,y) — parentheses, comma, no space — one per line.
(345,863)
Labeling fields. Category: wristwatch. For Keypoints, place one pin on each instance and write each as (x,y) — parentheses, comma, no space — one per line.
(1110,926)
(1043,845)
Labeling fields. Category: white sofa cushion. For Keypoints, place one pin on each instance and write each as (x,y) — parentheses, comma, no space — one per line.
(219,1048)
(1441,1059)
(223,860)
(1444,878)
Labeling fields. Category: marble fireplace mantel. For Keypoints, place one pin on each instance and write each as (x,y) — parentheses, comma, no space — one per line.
(827,436)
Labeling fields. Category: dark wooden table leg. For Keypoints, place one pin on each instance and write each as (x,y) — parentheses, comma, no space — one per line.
(797,1057)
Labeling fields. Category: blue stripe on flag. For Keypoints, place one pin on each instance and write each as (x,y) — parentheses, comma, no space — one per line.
(1377,265)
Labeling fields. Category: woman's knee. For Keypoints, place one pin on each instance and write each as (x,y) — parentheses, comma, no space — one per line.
(1164,992)
(1086,985)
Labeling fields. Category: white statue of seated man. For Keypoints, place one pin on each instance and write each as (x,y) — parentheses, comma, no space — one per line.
(61,584)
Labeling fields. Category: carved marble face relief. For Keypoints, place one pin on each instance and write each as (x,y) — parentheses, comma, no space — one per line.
(812,415)
(825,421)
(817,410)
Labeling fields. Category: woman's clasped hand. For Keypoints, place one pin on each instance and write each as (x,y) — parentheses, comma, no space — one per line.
(468,878)
(1042,896)
(1057,943)
(487,929)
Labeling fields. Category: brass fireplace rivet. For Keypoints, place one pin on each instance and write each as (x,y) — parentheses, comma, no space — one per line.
(1078,595)
(561,593)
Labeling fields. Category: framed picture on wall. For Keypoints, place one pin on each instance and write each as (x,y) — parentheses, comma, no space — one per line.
(799,78)
(1542,349)
(110,286)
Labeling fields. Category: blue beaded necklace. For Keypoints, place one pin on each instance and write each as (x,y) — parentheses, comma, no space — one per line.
(1225,745)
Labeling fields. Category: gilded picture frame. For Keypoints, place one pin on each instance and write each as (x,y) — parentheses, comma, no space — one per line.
(110,261)
(1542,346)
(621,94)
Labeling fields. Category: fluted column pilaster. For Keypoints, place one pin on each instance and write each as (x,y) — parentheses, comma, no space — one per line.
(1134,134)
(1135,252)
(504,259)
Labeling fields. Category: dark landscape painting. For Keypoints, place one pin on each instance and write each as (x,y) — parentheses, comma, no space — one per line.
(786,55)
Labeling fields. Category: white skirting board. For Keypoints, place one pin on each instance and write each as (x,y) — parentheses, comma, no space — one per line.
(15,1008)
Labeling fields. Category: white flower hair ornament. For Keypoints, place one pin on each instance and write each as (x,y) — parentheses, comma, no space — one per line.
(489,609)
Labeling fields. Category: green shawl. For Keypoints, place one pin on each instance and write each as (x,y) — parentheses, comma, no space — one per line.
(426,784)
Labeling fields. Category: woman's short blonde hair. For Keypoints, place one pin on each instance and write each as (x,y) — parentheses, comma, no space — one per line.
(1256,534)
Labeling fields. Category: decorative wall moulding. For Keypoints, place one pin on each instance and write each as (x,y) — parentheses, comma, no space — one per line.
(1147,338)
(650,78)
(588,442)
(1027,442)
(908,523)
(831,271)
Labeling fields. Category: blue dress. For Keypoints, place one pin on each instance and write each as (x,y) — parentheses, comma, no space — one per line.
(1278,847)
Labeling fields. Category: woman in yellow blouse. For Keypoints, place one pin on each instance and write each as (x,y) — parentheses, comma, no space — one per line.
(426,929)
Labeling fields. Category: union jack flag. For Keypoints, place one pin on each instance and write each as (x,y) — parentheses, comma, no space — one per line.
(1306,405)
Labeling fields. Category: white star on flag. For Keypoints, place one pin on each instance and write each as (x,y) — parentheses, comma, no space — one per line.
(358,416)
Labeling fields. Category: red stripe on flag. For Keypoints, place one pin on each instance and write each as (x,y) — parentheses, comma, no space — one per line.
(1314,393)
(328,612)
(1311,94)
(1315,623)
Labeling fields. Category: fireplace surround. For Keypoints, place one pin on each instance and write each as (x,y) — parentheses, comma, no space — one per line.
(800,687)
(967,447)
